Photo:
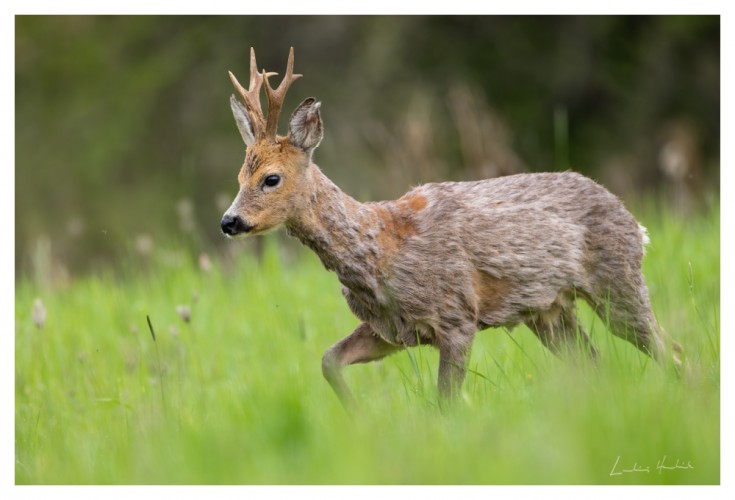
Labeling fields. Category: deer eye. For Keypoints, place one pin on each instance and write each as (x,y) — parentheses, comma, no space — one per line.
(271,181)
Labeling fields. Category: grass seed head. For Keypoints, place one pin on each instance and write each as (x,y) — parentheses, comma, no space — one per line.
(38,313)
(184,312)
(144,244)
(205,264)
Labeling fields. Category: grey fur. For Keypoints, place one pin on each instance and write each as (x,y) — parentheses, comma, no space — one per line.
(493,253)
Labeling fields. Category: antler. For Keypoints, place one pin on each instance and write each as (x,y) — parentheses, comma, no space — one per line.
(251,97)
(276,97)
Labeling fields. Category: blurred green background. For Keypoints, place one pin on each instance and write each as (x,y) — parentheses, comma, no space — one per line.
(124,136)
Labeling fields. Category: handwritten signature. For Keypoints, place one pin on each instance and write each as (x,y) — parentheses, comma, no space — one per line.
(661,466)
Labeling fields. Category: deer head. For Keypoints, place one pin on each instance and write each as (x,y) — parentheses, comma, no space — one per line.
(273,178)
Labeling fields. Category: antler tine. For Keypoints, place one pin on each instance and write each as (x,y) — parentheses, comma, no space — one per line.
(277,96)
(251,97)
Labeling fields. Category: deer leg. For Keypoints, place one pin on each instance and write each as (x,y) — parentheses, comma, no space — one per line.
(584,340)
(639,327)
(627,312)
(361,346)
(557,329)
(453,366)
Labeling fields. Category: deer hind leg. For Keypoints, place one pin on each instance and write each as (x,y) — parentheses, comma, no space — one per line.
(557,328)
(628,314)
(361,346)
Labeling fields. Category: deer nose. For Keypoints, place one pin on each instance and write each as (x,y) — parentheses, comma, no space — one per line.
(234,224)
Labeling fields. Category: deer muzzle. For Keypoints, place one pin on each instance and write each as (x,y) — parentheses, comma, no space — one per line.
(232,225)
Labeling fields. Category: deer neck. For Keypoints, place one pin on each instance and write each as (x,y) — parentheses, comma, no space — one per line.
(341,231)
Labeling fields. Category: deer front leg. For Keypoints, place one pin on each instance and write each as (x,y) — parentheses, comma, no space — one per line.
(453,367)
(361,346)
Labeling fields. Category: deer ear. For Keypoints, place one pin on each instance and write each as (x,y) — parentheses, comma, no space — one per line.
(243,121)
(305,129)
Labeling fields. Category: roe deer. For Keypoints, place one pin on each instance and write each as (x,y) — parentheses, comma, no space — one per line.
(445,260)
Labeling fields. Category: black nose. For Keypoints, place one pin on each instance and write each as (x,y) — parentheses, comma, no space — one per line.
(234,224)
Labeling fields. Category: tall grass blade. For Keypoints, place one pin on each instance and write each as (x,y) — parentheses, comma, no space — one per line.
(158,360)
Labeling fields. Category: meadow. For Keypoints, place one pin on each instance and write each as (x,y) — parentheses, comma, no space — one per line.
(230,391)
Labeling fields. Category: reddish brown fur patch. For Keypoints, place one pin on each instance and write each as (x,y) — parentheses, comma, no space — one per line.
(398,225)
(398,220)
(415,202)
(489,292)
(387,237)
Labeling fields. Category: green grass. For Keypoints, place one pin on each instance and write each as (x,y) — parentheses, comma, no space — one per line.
(236,395)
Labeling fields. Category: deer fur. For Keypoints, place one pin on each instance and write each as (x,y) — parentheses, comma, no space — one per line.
(449,259)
